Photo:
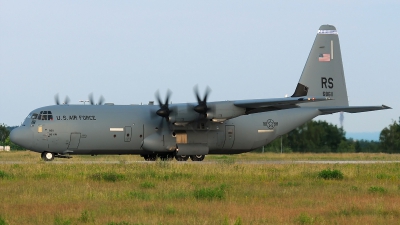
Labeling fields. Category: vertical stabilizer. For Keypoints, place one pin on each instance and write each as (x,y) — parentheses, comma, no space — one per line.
(323,73)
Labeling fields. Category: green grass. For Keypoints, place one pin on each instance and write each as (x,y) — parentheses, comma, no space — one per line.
(210,193)
(108,176)
(226,191)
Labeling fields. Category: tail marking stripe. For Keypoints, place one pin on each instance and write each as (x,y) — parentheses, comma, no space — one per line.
(327,32)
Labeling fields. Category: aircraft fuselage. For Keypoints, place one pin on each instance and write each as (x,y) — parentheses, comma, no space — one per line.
(126,129)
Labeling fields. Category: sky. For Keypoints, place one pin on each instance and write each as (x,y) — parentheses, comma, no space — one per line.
(127,50)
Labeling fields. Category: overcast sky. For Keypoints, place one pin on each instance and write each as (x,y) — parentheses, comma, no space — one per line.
(127,50)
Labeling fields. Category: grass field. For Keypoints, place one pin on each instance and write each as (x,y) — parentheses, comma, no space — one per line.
(223,192)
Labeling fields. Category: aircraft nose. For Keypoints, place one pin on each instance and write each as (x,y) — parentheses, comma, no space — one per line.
(22,136)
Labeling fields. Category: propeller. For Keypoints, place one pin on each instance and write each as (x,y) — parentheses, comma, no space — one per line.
(201,108)
(164,109)
(100,102)
(57,100)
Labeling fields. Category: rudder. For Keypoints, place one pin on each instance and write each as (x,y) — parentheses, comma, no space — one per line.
(323,73)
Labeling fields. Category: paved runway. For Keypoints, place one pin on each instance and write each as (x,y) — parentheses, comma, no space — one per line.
(207,162)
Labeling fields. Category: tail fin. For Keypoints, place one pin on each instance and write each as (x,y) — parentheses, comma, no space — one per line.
(323,73)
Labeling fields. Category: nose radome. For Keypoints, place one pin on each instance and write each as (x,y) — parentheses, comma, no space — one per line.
(22,136)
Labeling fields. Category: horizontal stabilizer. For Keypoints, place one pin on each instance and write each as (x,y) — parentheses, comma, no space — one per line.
(262,103)
(351,109)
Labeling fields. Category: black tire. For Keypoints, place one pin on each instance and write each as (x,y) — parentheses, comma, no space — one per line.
(167,157)
(150,157)
(47,156)
(181,157)
(197,157)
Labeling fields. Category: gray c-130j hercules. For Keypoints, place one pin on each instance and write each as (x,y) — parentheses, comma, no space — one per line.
(192,130)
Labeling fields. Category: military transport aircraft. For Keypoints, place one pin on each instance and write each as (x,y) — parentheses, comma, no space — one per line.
(192,130)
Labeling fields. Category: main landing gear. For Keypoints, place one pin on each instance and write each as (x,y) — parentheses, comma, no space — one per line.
(169,157)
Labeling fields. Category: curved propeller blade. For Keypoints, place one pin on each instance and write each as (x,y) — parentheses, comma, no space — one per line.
(202,103)
(57,100)
(100,102)
(66,100)
(91,98)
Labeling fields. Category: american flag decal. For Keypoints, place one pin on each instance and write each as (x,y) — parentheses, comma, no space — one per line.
(324,57)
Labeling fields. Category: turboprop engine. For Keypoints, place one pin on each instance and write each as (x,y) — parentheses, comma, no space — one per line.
(159,142)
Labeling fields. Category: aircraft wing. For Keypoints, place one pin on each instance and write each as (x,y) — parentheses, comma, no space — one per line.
(351,109)
(277,102)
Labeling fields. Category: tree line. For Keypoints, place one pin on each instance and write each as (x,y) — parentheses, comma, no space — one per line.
(5,137)
(313,136)
(322,137)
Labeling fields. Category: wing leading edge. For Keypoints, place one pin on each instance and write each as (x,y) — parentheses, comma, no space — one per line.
(262,105)
(277,102)
(351,109)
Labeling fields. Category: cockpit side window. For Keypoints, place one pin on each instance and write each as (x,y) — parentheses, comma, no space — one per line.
(45,115)
(34,116)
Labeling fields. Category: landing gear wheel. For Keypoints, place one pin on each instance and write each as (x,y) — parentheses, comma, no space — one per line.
(181,157)
(150,157)
(168,157)
(197,157)
(47,156)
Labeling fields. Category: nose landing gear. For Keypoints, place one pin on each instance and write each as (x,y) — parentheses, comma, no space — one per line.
(47,156)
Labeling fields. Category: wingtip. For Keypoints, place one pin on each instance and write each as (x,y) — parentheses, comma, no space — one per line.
(386,107)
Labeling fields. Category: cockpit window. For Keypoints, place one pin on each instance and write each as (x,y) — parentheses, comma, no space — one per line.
(34,116)
(44,115)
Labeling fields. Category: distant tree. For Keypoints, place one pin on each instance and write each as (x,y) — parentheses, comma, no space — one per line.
(313,136)
(5,138)
(4,133)
(316,136)
(346,146)
(357,147)
(390,138)
(367,146)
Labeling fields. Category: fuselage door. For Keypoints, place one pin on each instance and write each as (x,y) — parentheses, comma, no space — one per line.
(74,142)
(128,134)
(229,136)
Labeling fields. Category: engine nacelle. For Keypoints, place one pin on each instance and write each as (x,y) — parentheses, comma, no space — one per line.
(159,142)
(221,111)
(217,112)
